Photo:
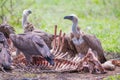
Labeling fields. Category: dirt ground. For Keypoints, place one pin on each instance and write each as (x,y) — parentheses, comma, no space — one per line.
(17,74)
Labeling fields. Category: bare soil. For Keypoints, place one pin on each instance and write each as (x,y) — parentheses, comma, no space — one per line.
(16,75)
(22,75)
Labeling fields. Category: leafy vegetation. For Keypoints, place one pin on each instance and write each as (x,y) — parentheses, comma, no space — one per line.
(115,77)
(98,17)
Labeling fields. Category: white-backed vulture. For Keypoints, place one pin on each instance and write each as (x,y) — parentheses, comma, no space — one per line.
(6,29)
(5,57)
(83,42)
(31,44)
(28,27)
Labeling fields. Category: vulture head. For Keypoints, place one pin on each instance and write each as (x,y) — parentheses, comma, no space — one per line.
(72,17)
(26,13)
(75,28)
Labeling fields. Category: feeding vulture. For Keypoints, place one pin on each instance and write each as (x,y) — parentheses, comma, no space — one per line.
(31,44)
(6,29)
(83,42)
(5,57)
(28,27)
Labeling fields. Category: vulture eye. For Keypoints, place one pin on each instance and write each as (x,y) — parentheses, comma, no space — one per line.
(71,17)
(29,12)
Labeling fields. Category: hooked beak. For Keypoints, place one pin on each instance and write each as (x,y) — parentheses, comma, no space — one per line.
(68,17)
(29,11)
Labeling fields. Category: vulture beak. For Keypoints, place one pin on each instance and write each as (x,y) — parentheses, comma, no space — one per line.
(29,11)
(68,17)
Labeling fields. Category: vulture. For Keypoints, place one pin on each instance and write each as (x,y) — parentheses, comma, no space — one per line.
(32,41)
(29,27)
(31,44)
(6,29)
(83,42)
(5,57)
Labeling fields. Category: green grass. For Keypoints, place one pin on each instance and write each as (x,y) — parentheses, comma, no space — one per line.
(115,77)
(102,16)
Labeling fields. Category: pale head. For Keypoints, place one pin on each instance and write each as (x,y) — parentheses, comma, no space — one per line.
(72,17)
(26,12)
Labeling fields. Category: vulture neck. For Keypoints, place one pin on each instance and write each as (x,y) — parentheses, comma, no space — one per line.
(74,27)
(24,20)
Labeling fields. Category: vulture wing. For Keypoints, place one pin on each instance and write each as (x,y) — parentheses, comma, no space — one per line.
(6,29)
(41,46)
(43,49)
(95,45)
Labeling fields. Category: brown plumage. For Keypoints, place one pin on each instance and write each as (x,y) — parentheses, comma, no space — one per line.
(5,57)
(63,63)
(29,27)
(83,42)
(6,29)
(31,44)
(96,46)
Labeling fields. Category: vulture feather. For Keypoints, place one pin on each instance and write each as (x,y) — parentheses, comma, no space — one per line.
(83,42)
(95,45)
(31,44)
(28,27)
(6,29)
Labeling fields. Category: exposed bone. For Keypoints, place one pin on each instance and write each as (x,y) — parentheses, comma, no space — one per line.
(108,65)
(57,49)
(92,61)
(62,55)
(116,62)
(66,65)
(57,66)
(63,62)
(55,37)
(61,46)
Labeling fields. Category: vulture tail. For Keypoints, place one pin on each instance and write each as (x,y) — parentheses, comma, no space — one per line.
(50,60)
(103,59)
